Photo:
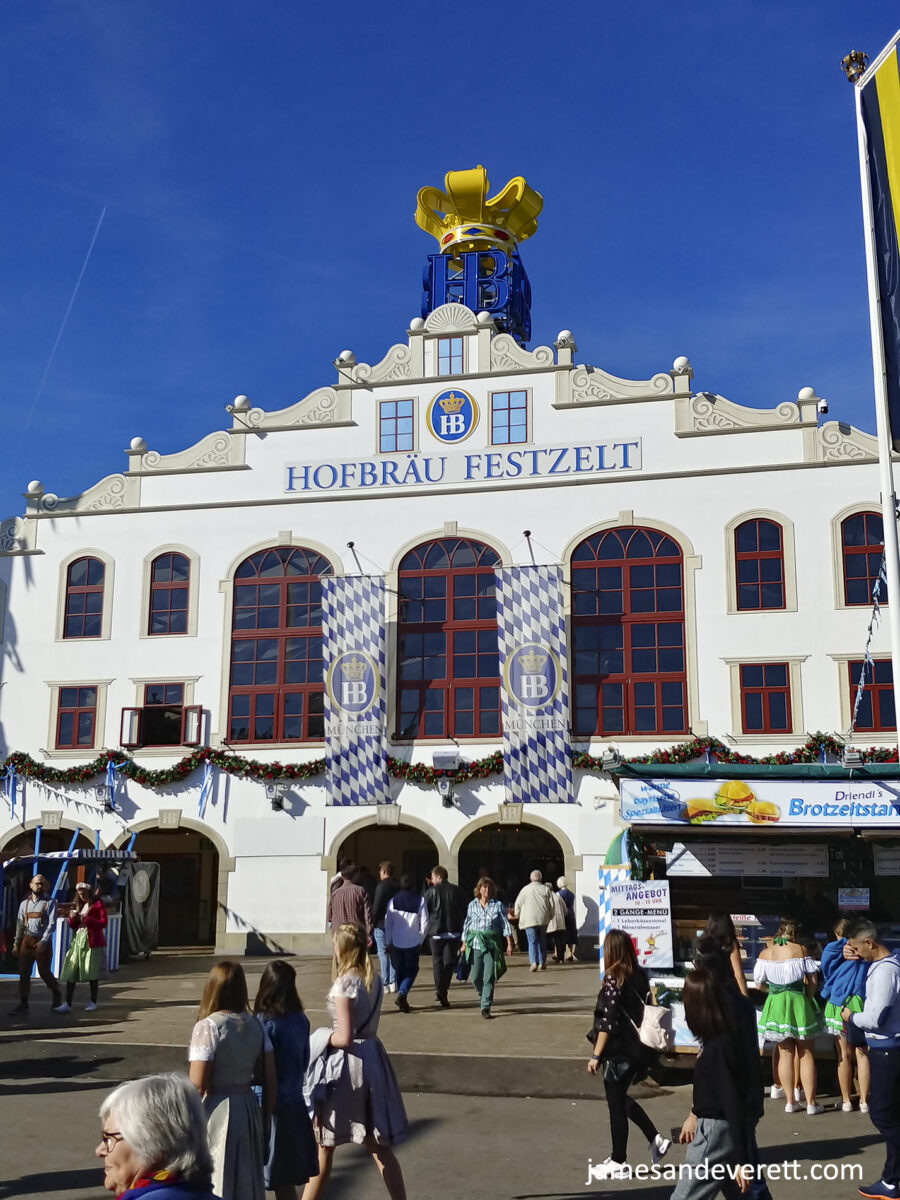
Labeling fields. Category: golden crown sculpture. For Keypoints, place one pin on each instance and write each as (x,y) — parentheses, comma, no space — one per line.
(452,403)
(354,668)
(462,218)
(532,663)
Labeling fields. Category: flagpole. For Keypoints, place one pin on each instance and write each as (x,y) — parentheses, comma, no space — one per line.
(882,422)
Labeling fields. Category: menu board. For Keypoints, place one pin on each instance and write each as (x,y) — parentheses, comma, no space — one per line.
(712,859)
(643,910)
(887,860)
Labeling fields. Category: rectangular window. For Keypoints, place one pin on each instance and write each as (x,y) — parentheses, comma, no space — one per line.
(395,426)
(76,718)
(509,418)
(876,713)
(162,720)
(765,698)
(450,356)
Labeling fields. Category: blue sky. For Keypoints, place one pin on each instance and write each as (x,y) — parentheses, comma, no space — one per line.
(256,166)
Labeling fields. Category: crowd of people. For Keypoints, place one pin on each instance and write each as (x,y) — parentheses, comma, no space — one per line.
(853,993)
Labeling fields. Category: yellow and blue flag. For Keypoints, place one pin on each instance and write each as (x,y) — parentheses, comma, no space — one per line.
(880,103)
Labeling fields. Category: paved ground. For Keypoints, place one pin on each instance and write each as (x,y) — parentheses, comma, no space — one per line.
(501,1108)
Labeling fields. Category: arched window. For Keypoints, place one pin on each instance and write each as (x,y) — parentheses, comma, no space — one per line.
(170,578)
(628,661)
(448,673)
(759,565)
(862,545)
(276,688)
(84,599)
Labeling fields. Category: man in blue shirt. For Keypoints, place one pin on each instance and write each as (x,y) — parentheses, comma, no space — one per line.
(880,1019)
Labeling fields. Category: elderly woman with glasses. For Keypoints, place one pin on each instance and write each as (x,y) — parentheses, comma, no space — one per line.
(153,1141)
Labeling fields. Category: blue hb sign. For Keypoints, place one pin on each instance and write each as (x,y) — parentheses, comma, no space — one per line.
(353,682)
(485,281)
(533,675)
(452,415)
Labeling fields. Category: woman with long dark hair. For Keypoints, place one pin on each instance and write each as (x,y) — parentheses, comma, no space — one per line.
(618,1052)
(717,1129)
(292,1155)
(720,929)
(228,1048)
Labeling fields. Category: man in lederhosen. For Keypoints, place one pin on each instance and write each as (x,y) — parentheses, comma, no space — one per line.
(34,941)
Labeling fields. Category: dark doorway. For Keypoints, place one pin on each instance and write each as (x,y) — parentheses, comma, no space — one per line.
(408,849)
(509,853)
(188,883)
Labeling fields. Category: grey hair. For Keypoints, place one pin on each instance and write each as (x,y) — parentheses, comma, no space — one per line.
(536,877)
(862,927)
(561,882)
(162,1119)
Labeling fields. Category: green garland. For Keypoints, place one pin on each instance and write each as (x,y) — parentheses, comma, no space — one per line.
(251,768)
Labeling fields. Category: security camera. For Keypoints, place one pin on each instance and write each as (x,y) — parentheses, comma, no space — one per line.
(822,406)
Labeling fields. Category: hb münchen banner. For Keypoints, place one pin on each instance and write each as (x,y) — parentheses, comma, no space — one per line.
(534,687)
(354,666)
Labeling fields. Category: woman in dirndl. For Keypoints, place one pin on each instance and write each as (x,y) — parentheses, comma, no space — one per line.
(790,1015)
(84,957)
(844,973)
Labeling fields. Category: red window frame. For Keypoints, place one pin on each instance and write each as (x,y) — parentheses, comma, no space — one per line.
(276,686)
(448,667)
(759,565)
(169,596)
(877,709)
(862,548)
(765,697)
(629,652)
(83,614)
(502,410)
(75,705)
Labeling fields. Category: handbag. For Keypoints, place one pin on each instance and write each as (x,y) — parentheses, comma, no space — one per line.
(463,967)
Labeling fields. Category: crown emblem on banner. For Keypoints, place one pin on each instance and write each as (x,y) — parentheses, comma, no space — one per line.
(452,403)
(353,668)
(532,663)
(462,217)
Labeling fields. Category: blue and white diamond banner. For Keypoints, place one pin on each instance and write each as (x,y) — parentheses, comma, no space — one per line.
(353,650)
(534,685)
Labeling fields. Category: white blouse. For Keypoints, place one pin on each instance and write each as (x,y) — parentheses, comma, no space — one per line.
(788,970)
(206,1036)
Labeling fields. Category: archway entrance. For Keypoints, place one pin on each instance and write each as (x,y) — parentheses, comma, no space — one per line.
(52,841)
(188,878)
(509,853)
(408,849)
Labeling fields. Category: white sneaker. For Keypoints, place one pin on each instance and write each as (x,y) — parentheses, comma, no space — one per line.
(63,1008)
(534,968)
(813,1110)
(798,1095)
(863,1107)
(792,1107)
(610,1169)
(392,987)
(659,1148)
(776,1092)
(847,1106)
(90,1006)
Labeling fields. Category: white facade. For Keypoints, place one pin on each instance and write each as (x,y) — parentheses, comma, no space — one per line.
(690,465)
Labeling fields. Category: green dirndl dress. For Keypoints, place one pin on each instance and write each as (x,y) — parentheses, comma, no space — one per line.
(789,1012)
(81,964)
(833,1022)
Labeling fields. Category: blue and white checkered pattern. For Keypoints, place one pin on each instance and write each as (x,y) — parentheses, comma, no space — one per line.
(536,763)
(608,876)
(353,621)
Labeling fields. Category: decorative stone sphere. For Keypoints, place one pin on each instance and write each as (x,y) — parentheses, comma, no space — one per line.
(35,488)
(565,335)
(681,363)
(138,444)
(484,318)
(346,356)
(807,393)
(417,323)
(241,404)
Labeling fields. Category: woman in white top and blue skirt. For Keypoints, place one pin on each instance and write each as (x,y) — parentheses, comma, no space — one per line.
(790,1016)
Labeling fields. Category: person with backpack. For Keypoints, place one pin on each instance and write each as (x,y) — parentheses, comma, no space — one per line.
(880,1020)
(619,1054)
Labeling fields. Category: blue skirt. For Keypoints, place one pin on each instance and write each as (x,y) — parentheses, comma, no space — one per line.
(293,1155)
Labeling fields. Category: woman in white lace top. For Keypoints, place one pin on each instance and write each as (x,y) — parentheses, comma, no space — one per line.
(350,1085)
(790,1015)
